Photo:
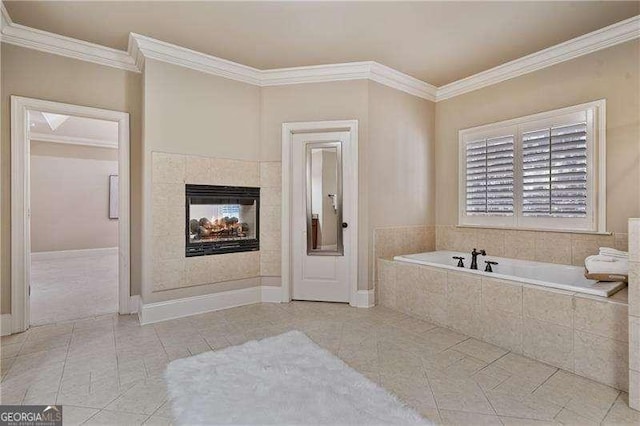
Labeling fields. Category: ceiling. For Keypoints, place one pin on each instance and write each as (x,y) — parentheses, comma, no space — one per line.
(437,42)
(99,131)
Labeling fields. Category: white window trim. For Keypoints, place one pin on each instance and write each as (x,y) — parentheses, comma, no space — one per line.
(596,111)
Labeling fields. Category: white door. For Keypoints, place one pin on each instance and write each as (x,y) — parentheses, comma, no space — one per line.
(321,211)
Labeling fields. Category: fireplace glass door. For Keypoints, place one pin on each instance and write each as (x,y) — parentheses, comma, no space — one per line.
(221,219)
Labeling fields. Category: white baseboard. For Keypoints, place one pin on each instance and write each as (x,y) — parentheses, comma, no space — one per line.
(365,298)
(67,254)
(134,304)
(178,308)
(6,326)
(162,311)
(270,294)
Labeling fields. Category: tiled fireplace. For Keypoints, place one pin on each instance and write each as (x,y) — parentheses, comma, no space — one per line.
(172,273)
(221,219)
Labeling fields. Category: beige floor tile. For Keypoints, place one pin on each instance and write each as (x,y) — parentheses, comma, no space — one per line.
(412,389)
(157,421)
(461,418)
(65,289)
(112,364)
(490,377)
(10,350)
(529,407)
(621,414)
(516,421)
(439,339)
(73,416)
(568,417)
(106,417)
(521,366)
(480,350)
(578,394)
(458,393)
(144,398)
(466,367)
(13,338)
(164,410)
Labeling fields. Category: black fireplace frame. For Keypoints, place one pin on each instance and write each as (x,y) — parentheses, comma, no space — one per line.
(220,193)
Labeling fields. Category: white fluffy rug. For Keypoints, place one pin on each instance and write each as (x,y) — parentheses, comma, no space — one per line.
(284,380)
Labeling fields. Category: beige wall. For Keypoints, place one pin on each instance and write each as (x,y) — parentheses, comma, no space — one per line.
(193,113)
(400,158)
(399,153)
(345,100)
(70,197)
(38,75)
(611,74)
(401,168)
(190,112)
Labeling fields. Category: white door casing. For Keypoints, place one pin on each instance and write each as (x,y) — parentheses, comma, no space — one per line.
(328,277)
(20,200)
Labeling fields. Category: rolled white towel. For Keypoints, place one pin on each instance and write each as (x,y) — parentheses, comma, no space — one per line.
(608,251)
(598,264)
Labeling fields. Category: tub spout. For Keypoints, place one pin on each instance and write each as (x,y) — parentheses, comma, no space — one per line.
(474,258)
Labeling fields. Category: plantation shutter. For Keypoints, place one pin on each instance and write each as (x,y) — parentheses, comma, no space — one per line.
(554,171)
(489,176)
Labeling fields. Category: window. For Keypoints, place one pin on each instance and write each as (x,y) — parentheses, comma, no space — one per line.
(544,171)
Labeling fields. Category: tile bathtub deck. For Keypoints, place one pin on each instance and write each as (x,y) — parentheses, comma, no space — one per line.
(108,370)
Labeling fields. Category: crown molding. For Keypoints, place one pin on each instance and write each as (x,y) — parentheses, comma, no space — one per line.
(44,41)
(315,74)
(367,70)
(142,47)
(620,32)
(395,79)
(5,19)
(150,48)
(73,140)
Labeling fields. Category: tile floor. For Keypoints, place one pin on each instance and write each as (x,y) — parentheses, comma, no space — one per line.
(108,370)
(73,288)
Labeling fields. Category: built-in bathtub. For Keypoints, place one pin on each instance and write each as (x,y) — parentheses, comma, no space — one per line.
(524,307)
(563,277)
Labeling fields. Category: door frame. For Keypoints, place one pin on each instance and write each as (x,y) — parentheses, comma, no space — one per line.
(20,200)
(350,175)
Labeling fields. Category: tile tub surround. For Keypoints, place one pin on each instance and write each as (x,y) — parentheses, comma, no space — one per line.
(634,313)
(576,332)
(170,269)
(398,240)
(542,246)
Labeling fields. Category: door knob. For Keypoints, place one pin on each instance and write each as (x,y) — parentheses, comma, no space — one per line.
(345,224)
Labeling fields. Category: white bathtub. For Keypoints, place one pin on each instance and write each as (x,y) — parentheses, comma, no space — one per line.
(564,277)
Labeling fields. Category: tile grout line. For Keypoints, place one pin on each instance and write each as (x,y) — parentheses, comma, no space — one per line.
(546,380)
(611,407)
(435,400)
(64,366)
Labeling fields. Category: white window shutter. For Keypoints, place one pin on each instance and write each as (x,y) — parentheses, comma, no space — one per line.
(489,176)
(544,171)
(554,171)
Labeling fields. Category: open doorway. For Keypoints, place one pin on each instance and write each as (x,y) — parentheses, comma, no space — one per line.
(70,212)
(73,177)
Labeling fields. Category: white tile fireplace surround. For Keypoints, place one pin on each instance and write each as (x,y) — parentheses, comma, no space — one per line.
(170,269)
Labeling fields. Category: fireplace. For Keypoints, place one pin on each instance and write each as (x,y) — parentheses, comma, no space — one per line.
(221,219)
